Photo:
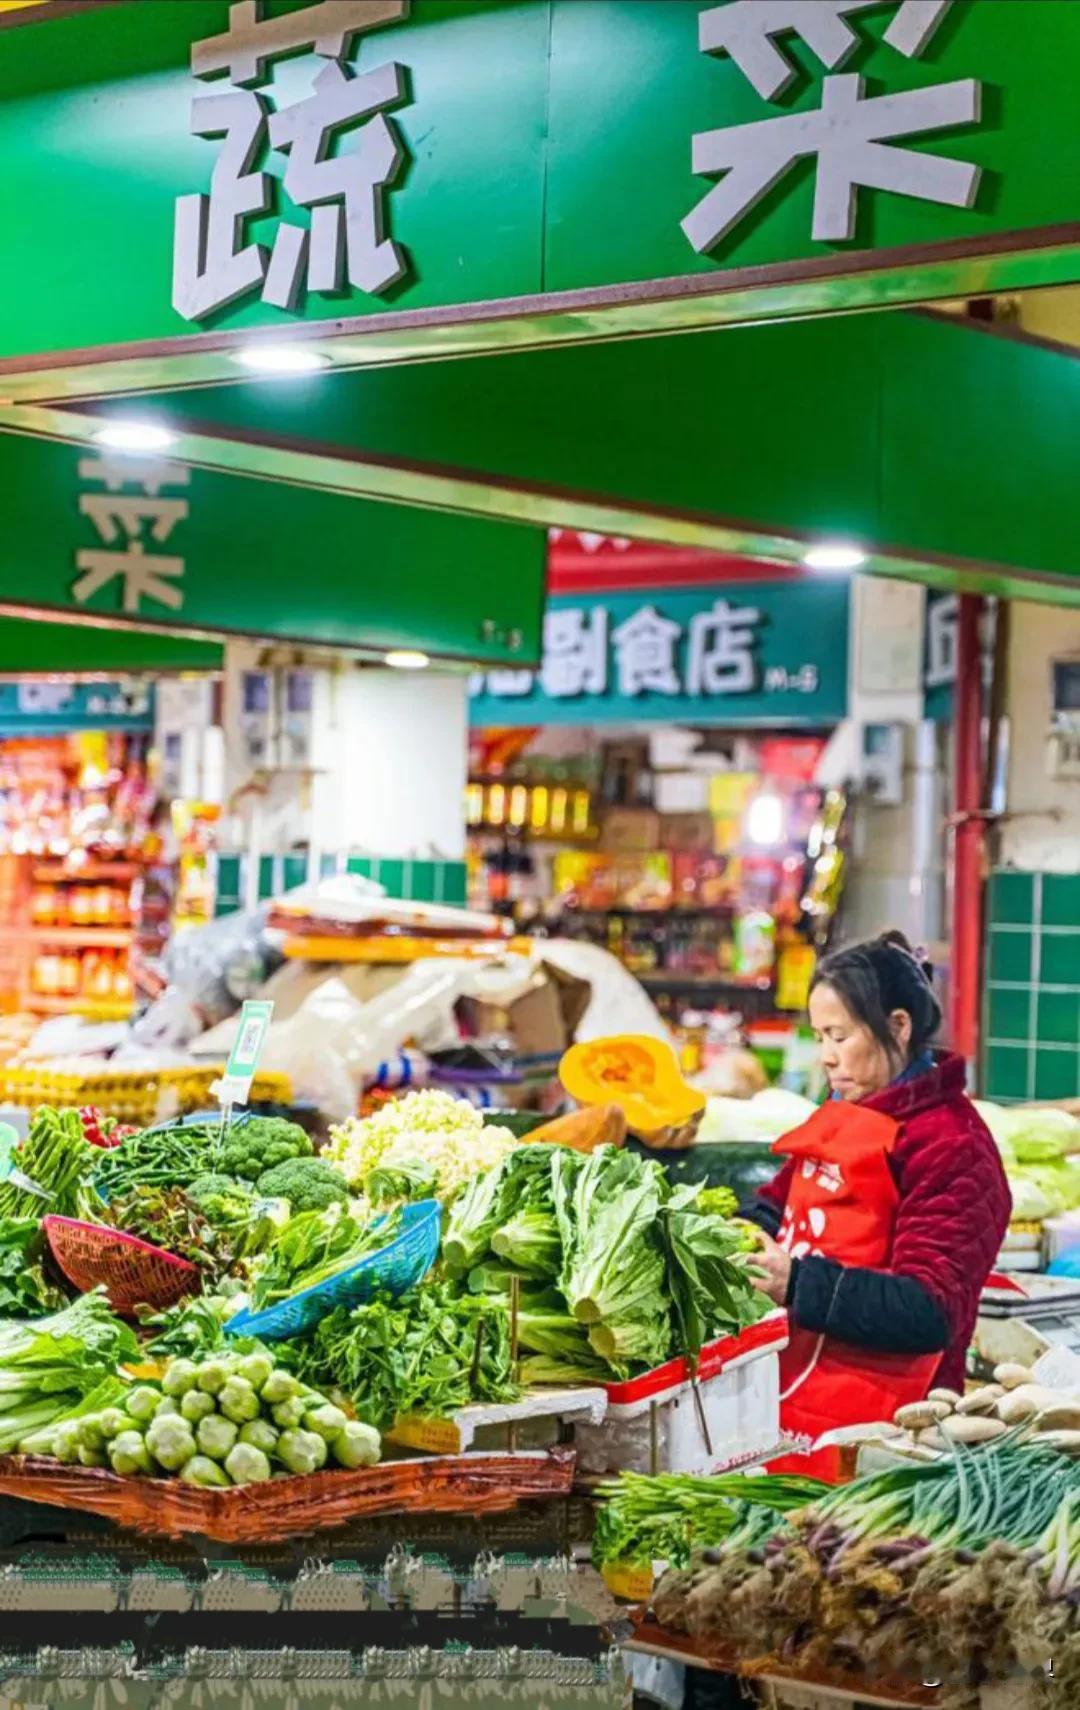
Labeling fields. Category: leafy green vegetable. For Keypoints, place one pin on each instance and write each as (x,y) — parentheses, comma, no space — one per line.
(403,1179)
(49,1366)
(521,1183)
(608,1210)
(431,1352)
(546,1327)
(529,1242)
(309,1184)
(712,1293)
(315,1246)
(169,1219)
(196,1327)
(644,1519)
(25,1291)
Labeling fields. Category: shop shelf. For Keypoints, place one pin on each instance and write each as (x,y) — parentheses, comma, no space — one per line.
(94,1009)
(93,873)
(84,937)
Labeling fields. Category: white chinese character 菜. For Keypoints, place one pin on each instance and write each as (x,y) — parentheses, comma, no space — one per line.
(850,134)
(645,654)
(347,240)
(721,653)
(747,30)
(129,523)
(575,652)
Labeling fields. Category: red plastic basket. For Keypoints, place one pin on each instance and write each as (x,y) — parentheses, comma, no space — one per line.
(133,1272)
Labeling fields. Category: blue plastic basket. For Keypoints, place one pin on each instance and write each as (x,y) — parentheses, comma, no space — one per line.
(391,1271)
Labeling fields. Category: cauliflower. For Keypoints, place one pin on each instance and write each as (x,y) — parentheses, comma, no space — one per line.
(215,1436)
(129,1454)
(171,1442)
(197,1405)
(326,1419)
(261,1435)
(255,1369)
(356,1445)
(309,1184)
(245,1464)
(428,1127)
(143,1402)
(302,1451)
(201,1470)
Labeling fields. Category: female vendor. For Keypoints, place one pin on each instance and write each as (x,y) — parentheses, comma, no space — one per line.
(887,1217)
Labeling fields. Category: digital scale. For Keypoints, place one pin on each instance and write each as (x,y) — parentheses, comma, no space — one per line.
(1024,1318)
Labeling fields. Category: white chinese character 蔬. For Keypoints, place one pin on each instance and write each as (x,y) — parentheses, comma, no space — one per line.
(747,31)
(645,653)
(575,652)
(116,470)
(850,136)
(212,264)
(721,653)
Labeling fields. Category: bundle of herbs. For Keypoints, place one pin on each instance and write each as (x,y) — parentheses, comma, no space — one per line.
(663,1518)
(432,1351)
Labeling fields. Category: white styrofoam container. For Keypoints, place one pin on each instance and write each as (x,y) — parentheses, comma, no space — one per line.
(739,1392)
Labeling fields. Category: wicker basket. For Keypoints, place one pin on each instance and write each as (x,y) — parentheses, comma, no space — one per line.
(133,1272)
(288,1507)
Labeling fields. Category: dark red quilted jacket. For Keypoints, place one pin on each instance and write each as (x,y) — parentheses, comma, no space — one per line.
(954,1200)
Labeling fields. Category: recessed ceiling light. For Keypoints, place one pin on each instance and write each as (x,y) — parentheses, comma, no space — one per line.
(280,359)
(134,436)
(406,659)
(834,555)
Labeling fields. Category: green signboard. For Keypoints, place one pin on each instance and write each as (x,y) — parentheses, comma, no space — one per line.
(460,174)
(84,649)
(150,542)
(764,653)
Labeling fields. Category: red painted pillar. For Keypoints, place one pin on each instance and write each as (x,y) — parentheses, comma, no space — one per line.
(968,835)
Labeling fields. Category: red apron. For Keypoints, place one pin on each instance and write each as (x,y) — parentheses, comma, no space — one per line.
(842,1205)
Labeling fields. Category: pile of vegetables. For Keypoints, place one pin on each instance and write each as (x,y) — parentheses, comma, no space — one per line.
(25,1289)
(960,1570)
(618,1270)
(50,1168)
(1040,1149)
(314,1247)
(434,1350)
(424,1143)
(1015,1397)
(175,1157)
(226,1420)
(49,1367)
(643,1520)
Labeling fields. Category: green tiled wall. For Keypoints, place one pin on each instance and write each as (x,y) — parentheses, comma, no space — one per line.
(411,881)
(1031,1021)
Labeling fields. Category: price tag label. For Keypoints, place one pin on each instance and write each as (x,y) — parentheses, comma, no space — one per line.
(235,1085)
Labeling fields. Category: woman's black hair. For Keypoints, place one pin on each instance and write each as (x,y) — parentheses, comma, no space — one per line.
(872,980)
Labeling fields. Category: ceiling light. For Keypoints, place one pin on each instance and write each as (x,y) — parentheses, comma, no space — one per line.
(834,555)
(406,659)
(134,436)
(280,359)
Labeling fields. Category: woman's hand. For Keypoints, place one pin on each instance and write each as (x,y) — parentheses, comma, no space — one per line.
(772,1266)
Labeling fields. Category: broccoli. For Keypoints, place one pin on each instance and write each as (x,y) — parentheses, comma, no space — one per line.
(256,1146)
(214,1186)
(308,1184)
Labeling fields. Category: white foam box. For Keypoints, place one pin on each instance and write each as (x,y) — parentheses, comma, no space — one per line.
(734,1420)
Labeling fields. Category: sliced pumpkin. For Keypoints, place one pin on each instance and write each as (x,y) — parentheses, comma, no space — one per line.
(584,1130)
(639,1074)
